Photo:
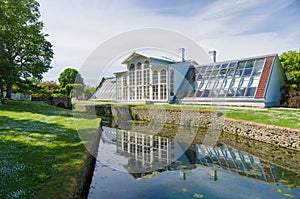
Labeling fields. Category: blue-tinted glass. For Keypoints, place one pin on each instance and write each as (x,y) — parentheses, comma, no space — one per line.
(241,65)
(231,65)
(214,74)
(224,65)
(214,93)
(201,84)
(230,72)
(249,64)
(250,92)
(209,68)
(258,67)
(223,72)
(198,93)
(216,66)
(248,72)
(199,77)
(203,68)
(206,93)
(238,73)
(230,92)
(240,92)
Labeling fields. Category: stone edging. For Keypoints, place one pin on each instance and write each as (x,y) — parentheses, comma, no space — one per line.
(281,136)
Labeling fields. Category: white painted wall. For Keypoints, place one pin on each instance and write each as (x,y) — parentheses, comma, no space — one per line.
(180,70)
(276,81)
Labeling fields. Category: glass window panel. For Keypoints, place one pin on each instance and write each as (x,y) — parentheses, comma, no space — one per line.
(198,93)
(209,68)
(230,92)
(214,93)
(248,72)
(139,66)
(207,75)
(199,77)
(132,78)
(125,80)
(230,72)
(206,93)
(200,84)
(226,83)
(146,64)
(249,67)
(172,82)
(222,92)
(203,68)
(255,82)
(240,92)
(249,64)
(241,65)
(214,74)
(218,83)
(155,77)
(210,84)
(224,66)
(235,82)
(204,84)
(250,92)
(223,72)
(163,77)
(231,65)
(131,67)
(139,77)
(245,82)
(258,67)
(238,73)
(216,66)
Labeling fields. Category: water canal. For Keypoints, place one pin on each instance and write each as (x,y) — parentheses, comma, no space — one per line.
(141,163)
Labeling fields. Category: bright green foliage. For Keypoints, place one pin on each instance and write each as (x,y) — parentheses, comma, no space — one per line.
(70,76)
(24,51)
(290,62)
(47,89)
(73,86)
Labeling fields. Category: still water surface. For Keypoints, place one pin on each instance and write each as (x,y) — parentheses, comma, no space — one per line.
(131,164)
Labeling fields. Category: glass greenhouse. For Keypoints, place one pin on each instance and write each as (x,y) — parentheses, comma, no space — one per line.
(254,81)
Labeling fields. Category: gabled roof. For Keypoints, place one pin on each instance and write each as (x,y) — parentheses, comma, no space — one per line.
(170,58)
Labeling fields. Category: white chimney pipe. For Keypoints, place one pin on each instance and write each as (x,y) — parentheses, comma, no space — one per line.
(213,53)
(183,54)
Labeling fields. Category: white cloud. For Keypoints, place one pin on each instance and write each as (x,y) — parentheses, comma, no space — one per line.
(234,28)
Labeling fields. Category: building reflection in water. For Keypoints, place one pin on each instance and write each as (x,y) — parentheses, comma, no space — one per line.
(147,153)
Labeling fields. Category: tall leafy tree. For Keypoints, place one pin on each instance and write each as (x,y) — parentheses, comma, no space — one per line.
(290,62)
(24,51)
(70,76)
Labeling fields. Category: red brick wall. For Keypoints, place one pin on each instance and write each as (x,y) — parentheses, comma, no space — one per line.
(260,93)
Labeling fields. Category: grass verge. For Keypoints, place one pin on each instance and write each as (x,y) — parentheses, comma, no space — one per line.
(41,154)
(283,117)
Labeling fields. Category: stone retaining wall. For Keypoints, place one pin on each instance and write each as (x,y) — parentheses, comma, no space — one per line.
(285,137)
(180,117)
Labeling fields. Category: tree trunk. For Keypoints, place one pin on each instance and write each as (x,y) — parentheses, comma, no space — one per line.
(9,91)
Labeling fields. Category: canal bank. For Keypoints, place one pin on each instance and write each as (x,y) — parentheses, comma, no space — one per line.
(281,136)
(286,137)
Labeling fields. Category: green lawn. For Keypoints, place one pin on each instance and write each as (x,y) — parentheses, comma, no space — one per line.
(283,117)
(41,154)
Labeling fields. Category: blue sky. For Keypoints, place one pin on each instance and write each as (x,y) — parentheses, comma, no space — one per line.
(235,29)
